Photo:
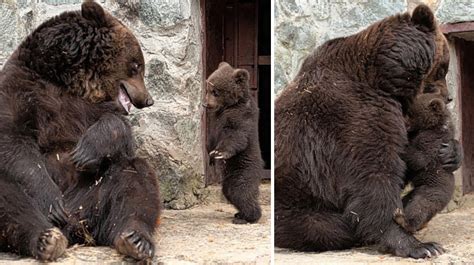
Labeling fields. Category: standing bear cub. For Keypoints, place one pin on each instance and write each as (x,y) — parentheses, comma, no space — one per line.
(429,126)
(68,170)
(234,140)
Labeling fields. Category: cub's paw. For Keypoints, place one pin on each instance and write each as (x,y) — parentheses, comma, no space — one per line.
(239,219)
(426,250)
(219,155)
(399,217)
(132,243)
(451,155)
(51,245)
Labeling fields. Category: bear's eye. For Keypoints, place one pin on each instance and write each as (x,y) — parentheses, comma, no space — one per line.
(214,93)
(135,67)
(429,89)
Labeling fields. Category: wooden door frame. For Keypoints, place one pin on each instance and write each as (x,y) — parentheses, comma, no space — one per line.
(456,33)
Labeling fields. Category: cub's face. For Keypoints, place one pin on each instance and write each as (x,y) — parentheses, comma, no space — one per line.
(226,87)
(426,112)
(435,81)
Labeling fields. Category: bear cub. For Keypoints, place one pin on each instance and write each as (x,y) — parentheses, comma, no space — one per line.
(233,143)
(429,126)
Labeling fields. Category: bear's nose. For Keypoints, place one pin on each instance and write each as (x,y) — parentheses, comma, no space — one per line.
(149,102)
(450,98)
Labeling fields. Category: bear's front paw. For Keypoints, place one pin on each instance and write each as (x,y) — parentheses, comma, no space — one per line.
(426,250)
(133,244)
(86,157)
(215,154)
(57,213)
(51,245)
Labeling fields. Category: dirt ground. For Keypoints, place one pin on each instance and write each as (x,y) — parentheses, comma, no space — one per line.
(454,231)
(200,235)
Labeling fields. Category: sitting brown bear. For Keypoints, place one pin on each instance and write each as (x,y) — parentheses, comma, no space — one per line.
(234,140)
(429,126)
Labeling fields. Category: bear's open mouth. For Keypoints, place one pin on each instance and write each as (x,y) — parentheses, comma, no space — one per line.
(124,98)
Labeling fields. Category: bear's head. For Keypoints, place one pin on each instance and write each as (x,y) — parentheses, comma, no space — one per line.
(226,87)
(428,111)
(412,57)
(89,54)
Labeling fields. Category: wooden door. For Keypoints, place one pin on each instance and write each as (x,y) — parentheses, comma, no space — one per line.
(231,29)
(465,54)
(462,36)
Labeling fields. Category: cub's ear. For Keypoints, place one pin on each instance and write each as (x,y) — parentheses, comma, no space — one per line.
(437,105)
(223,64)
(241,76)
(423,17)
(93,12)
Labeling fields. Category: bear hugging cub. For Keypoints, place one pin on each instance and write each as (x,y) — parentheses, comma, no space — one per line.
(69,174)
(341,137)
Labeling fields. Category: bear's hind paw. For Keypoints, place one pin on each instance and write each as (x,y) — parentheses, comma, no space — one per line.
(51,245)
(135,245)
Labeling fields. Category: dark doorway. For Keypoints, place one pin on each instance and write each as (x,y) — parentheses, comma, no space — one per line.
(238,32)
(462,36)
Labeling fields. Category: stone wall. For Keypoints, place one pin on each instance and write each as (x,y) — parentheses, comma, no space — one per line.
(302,25)
(168,133)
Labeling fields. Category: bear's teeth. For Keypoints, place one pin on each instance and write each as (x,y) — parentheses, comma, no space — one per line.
(125,100)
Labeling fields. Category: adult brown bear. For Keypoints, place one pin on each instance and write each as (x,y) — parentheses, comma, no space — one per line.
(68,171)
(340,133)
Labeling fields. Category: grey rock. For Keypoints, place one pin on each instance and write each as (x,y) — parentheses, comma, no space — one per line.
(455,11)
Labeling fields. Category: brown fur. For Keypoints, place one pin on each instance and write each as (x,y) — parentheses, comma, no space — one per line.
(67,152)
(429,127)
(340,135)
(234,139)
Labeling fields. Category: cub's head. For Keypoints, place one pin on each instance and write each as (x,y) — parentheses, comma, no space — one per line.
(427,111)
(89,54)
(226,87)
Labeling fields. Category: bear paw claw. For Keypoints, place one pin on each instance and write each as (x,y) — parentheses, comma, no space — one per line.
(135,245)
(51,245)
(427,250)
(219,155)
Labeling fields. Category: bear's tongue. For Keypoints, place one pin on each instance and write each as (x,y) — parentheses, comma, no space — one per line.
(124,100)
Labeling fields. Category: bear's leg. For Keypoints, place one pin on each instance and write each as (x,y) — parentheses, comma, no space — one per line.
(243,194)
(309,230)
(428,198)
(371,209)
(122,208)
(24,229)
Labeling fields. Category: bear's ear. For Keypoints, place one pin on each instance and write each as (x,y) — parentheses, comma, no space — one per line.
(241,76)
(223,64)
(423,17)
(93,12)
(437,105)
